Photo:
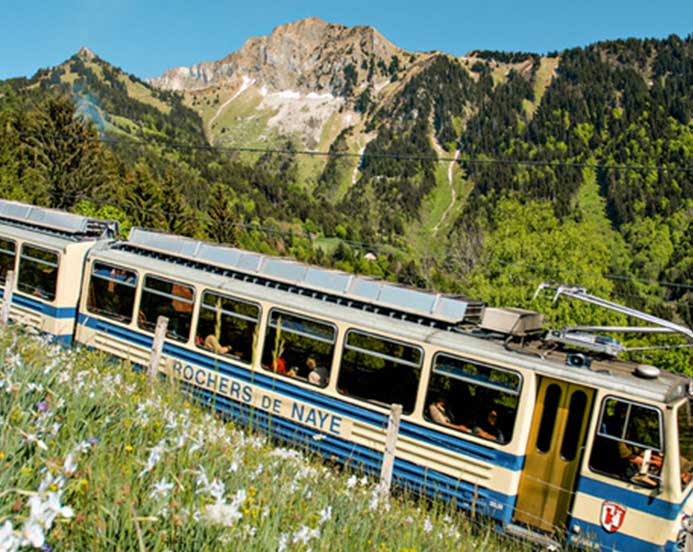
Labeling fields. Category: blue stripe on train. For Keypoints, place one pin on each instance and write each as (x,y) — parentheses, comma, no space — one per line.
(591,533)
(40,307)
(630,499)
(406,474)
(409,429)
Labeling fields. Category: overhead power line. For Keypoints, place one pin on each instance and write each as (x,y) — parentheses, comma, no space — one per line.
(204,218)
(393,156)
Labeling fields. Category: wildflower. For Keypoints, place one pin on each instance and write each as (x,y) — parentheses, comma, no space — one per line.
(70,465)
(93,441)
(224,513)
(325,514)
(154,457)
(319,437)
(283,542)
(428,526)
(31,438)
(32,534)
(351,482)
(286,454)
(304,535)
(41,406)
(9,541)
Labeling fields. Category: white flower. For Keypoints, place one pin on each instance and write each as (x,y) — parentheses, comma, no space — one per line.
(283,542)
(9,541)
(428,526)
(351,482)
(325,514)
(286,454)
(32,533)
(319,437)
(226,514)
(154,457)
(217,490)
(31,438)
(161,489)
(70,465)
(305,534)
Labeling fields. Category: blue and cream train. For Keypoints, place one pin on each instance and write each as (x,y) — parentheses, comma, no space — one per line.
(550,444)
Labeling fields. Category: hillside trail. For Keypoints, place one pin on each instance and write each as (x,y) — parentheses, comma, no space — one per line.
(246,83)
(355,173)
(453,193)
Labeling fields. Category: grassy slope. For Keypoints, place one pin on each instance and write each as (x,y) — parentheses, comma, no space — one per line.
(137,467)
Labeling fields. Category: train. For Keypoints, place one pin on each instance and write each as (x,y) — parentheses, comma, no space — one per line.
(549,434)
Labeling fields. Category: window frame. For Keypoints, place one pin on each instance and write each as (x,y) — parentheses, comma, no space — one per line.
(56,265)
(630,403)
(473,381)
(685,404)
(216,293)
(271,325)
(3,279)
(92,274)
(516,392)
(144,289)
(360,350)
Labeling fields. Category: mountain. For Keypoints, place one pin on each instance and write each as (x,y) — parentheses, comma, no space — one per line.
(486,173)
(120,104)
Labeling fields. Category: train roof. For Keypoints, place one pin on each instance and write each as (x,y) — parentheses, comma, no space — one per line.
(52,222)
(614,375)
(434,309)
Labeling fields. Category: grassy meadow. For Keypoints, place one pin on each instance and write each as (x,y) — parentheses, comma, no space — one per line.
(94,457)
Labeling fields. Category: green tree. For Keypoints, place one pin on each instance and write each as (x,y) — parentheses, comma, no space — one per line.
(222,218)
(64,152)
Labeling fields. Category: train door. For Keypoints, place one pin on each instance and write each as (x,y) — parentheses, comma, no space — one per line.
(554,451)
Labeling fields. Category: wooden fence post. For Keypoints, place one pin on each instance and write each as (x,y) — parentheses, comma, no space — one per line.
(7,297)
(157,346)
(390,448)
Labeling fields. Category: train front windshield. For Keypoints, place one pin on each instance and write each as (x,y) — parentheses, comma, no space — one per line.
(685,423)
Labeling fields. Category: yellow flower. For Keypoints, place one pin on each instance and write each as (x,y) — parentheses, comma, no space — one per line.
(129,448)
(2,455)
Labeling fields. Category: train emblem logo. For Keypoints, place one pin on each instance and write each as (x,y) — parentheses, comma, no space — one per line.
(612,516)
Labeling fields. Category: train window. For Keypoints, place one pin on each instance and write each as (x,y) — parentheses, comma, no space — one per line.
(299,347)
(380,370)
(7,255)
(38,272)
(480,398)
(684,417)
(628,443)
(112,292)
(227,326)
(571,434)
(170,299)
(548,418)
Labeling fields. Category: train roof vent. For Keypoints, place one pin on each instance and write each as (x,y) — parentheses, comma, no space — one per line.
(512,321)
(338,286)
(55,222)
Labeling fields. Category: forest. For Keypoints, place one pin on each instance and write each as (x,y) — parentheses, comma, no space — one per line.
(586,179)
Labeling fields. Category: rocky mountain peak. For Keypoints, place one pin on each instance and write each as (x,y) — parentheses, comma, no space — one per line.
(305,56)
(86,53)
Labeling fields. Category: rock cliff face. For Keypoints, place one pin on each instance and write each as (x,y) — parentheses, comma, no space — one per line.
(306,56)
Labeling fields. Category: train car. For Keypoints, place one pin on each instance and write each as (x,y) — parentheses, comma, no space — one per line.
(555,445)
(46,249)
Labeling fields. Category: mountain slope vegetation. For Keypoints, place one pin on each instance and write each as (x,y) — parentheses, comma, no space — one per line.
(578,166)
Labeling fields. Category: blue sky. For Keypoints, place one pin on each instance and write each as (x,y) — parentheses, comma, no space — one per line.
(147,37)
